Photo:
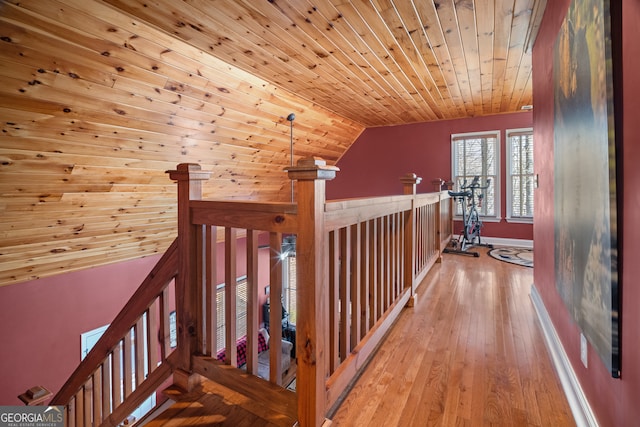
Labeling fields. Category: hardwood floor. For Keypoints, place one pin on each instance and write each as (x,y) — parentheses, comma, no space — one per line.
(226,401)
(470,353)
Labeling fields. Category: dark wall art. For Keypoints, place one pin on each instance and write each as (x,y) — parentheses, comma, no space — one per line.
(585,176)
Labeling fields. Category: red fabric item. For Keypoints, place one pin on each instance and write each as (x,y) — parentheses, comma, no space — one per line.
(241,348)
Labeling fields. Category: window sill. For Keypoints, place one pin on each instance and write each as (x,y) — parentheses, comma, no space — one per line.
(483,218)
(520,220)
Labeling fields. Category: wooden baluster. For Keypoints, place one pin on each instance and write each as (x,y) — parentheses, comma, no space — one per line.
(355,260)
(422,227)
(312,317)
(397,250)
(423,231)
(79,413)
(384,261)
(230,295)
(391,256)
(116,376)
(409,183)
(211,306)
(380,256)
(451,211)
(334,300)
(275,309)
(140,360)
(97,397)
(364,279)
(128,364)
(434,219)
(165,326)
(373,277)
(427,232)
(71,413)
(345,294)
(107,389)
(421,222)
(86,405)
(201,280)
(252,301)
(152,336)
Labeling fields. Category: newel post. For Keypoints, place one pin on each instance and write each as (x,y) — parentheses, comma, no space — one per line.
(189,178)
(449,219)
(409,183)
(437,186)
(312,295)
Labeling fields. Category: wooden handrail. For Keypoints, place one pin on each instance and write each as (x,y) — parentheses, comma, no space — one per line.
(276,217)
(345,212)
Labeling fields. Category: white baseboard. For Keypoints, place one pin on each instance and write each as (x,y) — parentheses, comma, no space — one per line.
(500,241)
(577,400)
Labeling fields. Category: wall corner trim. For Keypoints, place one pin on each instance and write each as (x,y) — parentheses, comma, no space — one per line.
(580,407)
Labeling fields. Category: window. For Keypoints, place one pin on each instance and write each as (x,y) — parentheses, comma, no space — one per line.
(477,154)
(90,338)
(521,179)
(289,288)
(241,312)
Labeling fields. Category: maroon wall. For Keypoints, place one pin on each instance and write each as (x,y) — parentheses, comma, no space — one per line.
(41,320)
(614,401)
(380,156)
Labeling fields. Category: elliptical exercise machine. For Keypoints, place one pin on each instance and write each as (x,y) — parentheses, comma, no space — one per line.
(471,222)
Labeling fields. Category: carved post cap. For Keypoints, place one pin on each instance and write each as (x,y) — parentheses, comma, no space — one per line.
(409,182)
(35,396)
(311,168)
(437,184)
(410,178)
(190,172)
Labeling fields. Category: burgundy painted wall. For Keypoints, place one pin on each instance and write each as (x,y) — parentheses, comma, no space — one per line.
(41,320)
(374,164)
(614,401)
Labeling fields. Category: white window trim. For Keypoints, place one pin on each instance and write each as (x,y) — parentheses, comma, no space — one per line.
(497,184)
(509,187)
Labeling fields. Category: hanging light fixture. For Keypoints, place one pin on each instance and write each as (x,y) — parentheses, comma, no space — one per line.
(289,242)
(291,117)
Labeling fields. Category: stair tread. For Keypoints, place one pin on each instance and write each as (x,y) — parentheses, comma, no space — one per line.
(231,398)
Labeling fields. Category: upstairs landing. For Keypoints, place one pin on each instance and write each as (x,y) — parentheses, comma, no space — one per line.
(228,397)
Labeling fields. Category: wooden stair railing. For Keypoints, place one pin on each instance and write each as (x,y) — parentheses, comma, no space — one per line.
(132,358)
(204,223)
(379,251)
(358,263)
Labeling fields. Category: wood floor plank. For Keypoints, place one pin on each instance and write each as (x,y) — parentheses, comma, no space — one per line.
(469,353)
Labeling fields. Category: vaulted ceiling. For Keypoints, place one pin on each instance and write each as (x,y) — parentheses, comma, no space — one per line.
(99,98)
(377,62)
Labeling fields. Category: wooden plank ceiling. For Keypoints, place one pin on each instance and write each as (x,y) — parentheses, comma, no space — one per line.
(99,98)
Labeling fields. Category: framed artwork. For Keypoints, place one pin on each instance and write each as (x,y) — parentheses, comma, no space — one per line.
(585,199)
